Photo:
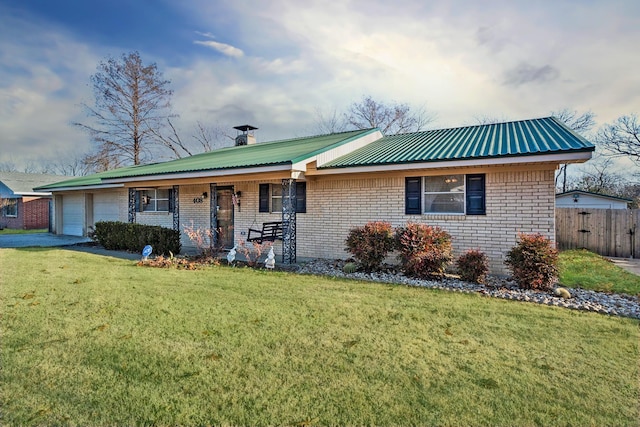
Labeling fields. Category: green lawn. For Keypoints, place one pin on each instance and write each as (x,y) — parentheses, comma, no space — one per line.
(580,268)
(90,340)
(19,231)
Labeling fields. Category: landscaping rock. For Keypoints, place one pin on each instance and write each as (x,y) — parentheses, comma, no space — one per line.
(578,299)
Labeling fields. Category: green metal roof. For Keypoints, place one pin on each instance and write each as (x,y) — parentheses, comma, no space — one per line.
(89,180)
(247,156)
(520,138)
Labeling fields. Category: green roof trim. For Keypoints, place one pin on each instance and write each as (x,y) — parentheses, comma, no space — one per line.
(89,180)
(518,138)
(283,152)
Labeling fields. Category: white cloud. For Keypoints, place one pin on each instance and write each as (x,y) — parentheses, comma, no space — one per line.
(44,75)
(453,58)
(225,49)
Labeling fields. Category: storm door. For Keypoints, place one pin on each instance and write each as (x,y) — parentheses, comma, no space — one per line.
(224,216)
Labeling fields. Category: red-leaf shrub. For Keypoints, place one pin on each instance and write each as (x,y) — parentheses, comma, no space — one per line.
(425,251)
(370,244)
(533,262)
(473,266)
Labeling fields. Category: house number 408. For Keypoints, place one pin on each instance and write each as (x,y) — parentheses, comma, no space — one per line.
(198,200)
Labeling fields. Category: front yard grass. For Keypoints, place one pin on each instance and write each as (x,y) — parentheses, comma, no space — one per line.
(580,268)
(20,231)
(91,340)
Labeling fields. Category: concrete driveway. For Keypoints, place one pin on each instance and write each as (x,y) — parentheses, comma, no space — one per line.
(55,240)
(39,240)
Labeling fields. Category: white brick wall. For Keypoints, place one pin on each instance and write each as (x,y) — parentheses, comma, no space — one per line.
(196,215)
(516,201)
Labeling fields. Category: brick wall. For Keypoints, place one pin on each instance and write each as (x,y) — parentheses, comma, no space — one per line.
(33,213)
(195,215)
(516,202)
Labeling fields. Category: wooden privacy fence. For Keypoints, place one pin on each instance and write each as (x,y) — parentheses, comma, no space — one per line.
(608,232)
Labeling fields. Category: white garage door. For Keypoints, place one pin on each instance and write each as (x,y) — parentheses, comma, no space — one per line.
(72,214)
(105,207)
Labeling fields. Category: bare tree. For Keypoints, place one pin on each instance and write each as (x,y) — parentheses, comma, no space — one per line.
(70,165)
(489,120)
(577,122)
(205,138)
(390,119)
(334,122)
(622,137)
(631,191)
(368,113)
(599,177)
(212,137)
(8,166)
(132,102)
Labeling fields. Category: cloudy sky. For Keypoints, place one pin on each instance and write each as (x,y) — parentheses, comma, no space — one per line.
(275,63)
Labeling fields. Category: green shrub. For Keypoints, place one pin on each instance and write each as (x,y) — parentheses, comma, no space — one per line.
(350,268)
(370,244)
(133,237)
(473,266)
(533,262)
(425,251)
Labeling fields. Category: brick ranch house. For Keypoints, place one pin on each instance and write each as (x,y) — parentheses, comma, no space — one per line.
(483,184)
(21,207)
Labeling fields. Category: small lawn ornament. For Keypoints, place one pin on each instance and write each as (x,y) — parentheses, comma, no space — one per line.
(270,262)
(231,256)
(146,252)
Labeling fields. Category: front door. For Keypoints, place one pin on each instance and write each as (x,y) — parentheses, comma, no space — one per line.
(224,217)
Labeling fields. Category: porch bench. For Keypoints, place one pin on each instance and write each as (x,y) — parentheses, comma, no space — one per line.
(271,231)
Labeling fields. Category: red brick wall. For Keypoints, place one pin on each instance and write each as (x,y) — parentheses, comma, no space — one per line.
(35,213)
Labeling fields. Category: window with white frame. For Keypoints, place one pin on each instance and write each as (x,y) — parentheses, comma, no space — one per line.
(271,197)
(445,194)
(276,197)
(9,207)
(154,200)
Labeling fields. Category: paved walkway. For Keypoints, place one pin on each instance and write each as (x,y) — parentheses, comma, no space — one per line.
(632,265)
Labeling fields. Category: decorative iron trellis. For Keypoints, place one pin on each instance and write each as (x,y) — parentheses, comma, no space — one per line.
(132,205)
(176,207)
(213,215)
(289,221)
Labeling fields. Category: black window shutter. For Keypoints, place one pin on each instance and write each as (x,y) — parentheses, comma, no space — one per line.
(476,199)
(171,200)
(263,202)
(412,195)
(301,197)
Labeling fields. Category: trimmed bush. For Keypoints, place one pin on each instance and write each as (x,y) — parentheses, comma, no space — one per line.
(533,262)
(473,266)
(425,251)
(350,268)
(370,244)
(133,237)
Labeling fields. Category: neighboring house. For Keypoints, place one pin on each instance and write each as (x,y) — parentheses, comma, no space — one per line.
(20,206)
(588,200)
(483,184)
